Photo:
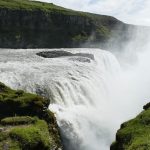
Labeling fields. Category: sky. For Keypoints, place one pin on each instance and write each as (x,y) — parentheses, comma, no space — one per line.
(129,11)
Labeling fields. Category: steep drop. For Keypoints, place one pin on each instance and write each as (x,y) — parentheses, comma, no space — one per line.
(88,98)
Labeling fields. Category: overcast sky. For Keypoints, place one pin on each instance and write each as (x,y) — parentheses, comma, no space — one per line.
(130,11)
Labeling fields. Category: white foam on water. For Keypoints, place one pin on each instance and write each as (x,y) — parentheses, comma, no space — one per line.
(90,99)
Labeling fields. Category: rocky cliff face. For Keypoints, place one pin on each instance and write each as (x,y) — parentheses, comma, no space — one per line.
(25,24)
(134,134)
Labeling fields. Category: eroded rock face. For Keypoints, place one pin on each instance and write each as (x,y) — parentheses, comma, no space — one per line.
(26,122)
(134,134)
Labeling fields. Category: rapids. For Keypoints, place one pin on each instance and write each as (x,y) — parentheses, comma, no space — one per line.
(89,98)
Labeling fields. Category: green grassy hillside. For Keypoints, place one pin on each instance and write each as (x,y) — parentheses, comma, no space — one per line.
(29,5)
(28,24)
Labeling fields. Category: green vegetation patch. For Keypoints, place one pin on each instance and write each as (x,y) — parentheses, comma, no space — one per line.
(10,145)
(103,32)
(14,103)
(32,136)
(134,134)
(18,120)
(32,5)
(80,38)
(25,121)
(26,136)
(28,5)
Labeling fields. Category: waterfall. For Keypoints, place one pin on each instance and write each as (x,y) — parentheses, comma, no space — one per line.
(86,94)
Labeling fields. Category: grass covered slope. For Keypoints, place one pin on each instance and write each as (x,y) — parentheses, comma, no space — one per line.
(25,122)
(134,134)
(28,5)
(30,24)
(26,135)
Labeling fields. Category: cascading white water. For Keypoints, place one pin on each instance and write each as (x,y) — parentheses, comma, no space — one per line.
(88,96)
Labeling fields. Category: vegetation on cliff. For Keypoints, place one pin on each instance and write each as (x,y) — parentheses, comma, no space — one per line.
(134,134)
(29,5)
(30,24)
(26,122)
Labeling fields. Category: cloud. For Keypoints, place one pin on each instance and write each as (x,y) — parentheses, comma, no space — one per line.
(133,11)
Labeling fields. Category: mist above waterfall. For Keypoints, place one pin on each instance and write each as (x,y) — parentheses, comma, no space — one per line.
(90,99)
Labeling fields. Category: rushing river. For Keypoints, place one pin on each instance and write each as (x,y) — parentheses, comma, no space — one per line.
(90,97)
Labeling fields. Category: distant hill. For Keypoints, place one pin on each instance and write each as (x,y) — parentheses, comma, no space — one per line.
(30,24)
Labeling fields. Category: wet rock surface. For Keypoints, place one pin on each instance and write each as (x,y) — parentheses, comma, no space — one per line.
(83,57)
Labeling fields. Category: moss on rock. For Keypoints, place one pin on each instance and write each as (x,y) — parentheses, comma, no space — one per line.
(34,136)
(134,134)
(26,122)
(18,120)
(20,103)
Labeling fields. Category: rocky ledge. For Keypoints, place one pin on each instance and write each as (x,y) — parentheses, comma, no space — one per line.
(134,134)
(55,54)
(25,122)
